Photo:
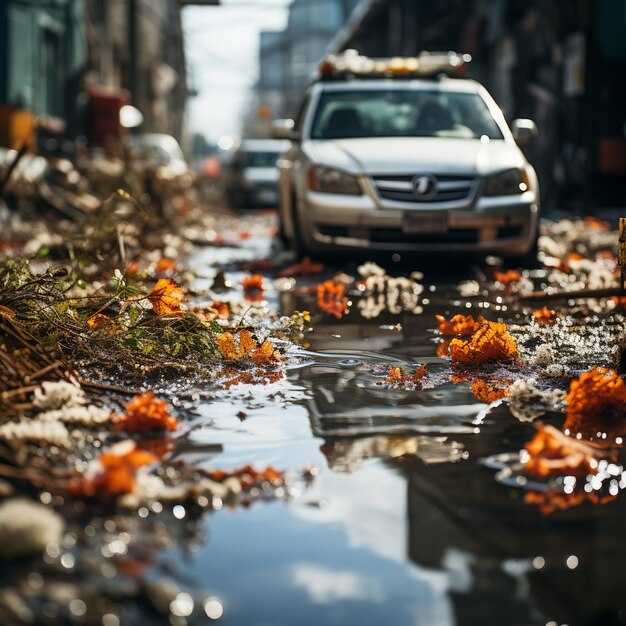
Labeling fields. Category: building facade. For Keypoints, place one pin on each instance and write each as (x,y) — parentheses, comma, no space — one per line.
(288,58)
(61,60)
(559,62)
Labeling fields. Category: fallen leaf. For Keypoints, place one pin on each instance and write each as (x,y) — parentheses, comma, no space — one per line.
(243,346)
(166,297)
(97,320)
(305,268)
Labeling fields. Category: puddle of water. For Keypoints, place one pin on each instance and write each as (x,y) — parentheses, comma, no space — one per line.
(403,524)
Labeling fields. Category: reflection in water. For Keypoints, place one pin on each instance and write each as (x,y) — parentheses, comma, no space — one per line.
(348,454)
(495,559)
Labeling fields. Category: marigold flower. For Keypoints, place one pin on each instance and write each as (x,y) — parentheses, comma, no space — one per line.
(552,453)
(491,342)
(248,476)
(553,500)
(145,413)
(596,403)
(116,476)
(508,277)
(254,282)
(443,349)
(544,316)
(489,391)
(331,298)
(164,265)
(595,224)
(132,269)
(459,325)
(166,297)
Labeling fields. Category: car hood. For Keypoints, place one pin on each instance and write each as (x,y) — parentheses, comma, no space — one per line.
(397,155)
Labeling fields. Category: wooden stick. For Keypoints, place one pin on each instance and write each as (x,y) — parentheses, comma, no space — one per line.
(578,294)
(44,371)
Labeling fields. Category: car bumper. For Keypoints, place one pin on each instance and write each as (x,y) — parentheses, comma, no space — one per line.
(499,225)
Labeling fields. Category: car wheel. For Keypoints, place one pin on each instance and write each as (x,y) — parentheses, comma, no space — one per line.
(529,259)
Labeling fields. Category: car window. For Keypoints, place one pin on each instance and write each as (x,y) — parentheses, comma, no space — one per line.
(402,113)
(261,159)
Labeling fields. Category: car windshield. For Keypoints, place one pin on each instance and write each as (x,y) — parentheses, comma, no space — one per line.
(403,113)
(261,159)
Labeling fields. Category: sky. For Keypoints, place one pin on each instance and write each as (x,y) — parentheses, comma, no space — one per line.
(221,44)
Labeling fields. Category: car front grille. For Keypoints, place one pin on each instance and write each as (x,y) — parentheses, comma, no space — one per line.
(400,188)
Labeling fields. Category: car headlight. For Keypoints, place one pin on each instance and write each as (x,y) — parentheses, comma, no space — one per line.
(328,180)
(507,183)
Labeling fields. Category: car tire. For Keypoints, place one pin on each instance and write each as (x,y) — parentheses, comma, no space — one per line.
(529,259)
(297,242)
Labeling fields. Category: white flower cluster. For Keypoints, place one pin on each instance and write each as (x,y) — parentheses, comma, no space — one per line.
(383,292)
(35,430)
(151,488)
(528,402)
(57,394)
(84,415)
(60,402)
(564,236)
(469,288)
(369,269)
(26,528)
(572,343)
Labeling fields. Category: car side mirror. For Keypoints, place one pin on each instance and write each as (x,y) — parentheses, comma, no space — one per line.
(524,131)
(285,129)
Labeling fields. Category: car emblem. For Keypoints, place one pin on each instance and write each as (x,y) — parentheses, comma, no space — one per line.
(424,186)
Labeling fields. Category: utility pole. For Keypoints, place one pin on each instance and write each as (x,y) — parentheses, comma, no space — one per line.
(133,50)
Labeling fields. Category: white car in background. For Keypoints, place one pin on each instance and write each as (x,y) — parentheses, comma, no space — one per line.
(253,176)
(405,155)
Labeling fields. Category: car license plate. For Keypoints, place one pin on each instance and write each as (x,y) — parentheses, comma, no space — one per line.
(416,222)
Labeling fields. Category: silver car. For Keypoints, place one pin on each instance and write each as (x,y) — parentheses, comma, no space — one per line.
(414,163)
(253,174)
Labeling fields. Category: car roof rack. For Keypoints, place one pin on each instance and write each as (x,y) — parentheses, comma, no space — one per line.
(350,64)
